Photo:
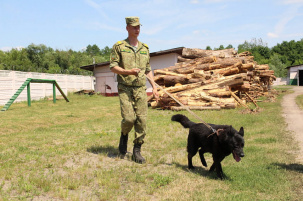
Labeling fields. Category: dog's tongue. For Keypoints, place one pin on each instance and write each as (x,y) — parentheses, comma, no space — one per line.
(236,157)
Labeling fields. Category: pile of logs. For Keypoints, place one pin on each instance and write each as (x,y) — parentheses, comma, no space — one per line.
(212,79)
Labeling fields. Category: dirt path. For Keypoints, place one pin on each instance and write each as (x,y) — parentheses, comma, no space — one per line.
(294,118)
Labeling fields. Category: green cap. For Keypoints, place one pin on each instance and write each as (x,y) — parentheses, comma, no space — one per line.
(133,21)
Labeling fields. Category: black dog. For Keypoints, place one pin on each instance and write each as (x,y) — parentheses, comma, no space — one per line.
(224,141)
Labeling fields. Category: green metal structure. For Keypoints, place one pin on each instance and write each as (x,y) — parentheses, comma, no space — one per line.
(27,84)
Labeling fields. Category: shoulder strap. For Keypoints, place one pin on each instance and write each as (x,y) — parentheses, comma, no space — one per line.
(144,44)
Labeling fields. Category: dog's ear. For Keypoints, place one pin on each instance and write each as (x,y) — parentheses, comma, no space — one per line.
(241,131)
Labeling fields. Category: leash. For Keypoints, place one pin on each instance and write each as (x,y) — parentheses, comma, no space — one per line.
(186,107)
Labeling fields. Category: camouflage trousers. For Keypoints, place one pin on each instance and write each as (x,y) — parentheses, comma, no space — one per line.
(133,103)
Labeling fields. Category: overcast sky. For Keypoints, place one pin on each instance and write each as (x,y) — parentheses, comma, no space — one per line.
(74,24)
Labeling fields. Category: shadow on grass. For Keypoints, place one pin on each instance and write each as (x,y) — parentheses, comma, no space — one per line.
(200,171)
(292,167)
(109,151)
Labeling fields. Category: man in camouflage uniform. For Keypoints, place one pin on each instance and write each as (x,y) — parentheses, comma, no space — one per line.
(130,61)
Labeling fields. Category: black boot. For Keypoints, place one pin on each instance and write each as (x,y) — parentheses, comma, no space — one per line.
(123,144)
(137,155)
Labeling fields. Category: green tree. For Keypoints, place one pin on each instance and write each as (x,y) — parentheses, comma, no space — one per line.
(291,52)
(277,65)
(258,48)
(229,46)
(93,50)
(208,48)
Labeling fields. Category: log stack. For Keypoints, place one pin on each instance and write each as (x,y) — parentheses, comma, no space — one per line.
(212,79)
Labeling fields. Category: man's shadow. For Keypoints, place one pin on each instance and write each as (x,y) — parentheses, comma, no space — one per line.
(108,150)
(291,167)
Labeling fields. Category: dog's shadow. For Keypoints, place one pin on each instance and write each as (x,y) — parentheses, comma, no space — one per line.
(290,167)
(109,151)
(201,171)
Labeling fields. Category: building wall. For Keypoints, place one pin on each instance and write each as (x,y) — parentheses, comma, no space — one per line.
(106,82)
(11,81)
(293,75)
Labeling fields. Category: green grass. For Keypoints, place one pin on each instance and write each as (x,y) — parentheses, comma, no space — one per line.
(68,151)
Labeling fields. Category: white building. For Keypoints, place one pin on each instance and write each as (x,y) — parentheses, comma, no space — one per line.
(295,75)
(105,79)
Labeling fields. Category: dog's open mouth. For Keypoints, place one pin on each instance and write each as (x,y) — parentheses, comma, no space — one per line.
(236,157)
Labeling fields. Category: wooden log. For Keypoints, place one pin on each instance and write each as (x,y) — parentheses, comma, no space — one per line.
(180,108)
(220,82)
(207,67)
(158,77)
(230,81)
(244,54)
(182,59)
(229,62)
(197,103)
(195,80)
(239,100)
(262,67)
(199,74)
(244,87)
(183,87)
(172,80)
(204,96)
(252,99)
(228,105)
(162,72)
(220,92)
(247,66)
(227,71)
(205,60)
(196,53)
(189,67)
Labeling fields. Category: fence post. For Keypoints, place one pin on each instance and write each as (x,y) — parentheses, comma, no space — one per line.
(54,92)
(29,94)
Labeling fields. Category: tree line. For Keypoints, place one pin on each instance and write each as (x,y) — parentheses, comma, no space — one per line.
(43,59)
(40,58)
(288,53)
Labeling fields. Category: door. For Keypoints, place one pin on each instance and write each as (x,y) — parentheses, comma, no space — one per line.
(300,77)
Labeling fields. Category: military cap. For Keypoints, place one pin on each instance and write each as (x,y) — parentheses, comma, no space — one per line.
(133,21)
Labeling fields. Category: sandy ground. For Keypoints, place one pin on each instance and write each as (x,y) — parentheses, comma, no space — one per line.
(294,118)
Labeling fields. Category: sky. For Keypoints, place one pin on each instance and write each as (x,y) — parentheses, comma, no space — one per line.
(166,24)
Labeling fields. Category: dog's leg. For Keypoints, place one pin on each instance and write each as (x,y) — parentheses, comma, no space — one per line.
(218,166)
(212,167)
(192,150)
(201,153)
(190,162)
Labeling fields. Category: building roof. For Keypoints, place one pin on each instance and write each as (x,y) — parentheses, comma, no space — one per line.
(294,66)
(177,50)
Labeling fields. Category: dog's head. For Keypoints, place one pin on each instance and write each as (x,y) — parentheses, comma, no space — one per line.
(234,140)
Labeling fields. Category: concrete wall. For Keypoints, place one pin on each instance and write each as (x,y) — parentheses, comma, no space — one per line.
(280,81)
(11,81)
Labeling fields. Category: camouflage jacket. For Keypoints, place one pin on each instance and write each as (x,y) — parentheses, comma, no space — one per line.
(124,56)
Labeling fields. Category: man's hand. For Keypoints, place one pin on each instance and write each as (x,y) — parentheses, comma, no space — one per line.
(134,71)
(156,94)
(122,71)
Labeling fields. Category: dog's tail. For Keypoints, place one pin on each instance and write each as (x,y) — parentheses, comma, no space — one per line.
(183,120)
